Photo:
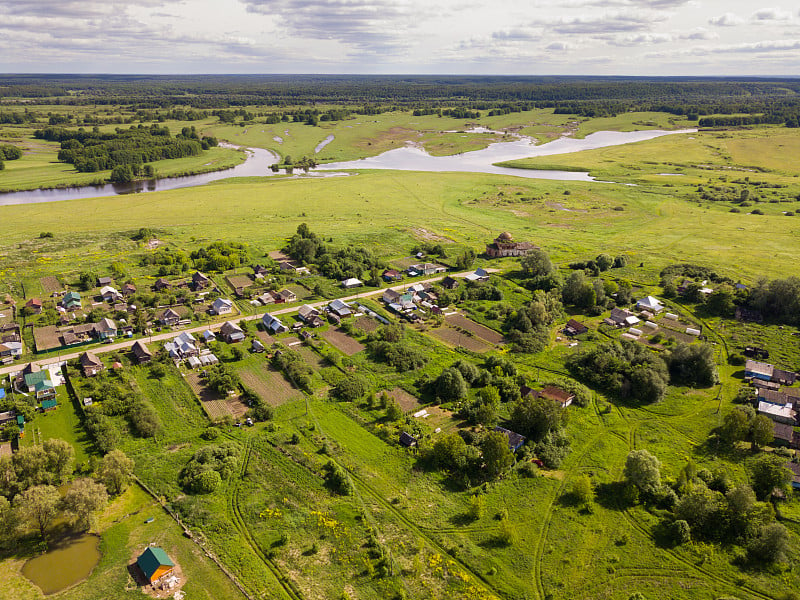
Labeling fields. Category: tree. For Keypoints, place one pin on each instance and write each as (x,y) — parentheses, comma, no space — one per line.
(643,470)
(761,431)
(121,174)
(82,499)
(30,465)
(693,364)
(466,259)
(476,507)
(115,471)
(647,384)
(582,490)
(450,385)
(537,264)
(350,387)
(536,417)
(771,545)
(60,458)
(735,425)
(450,452)
(393,411)
(496,454)
(604,262)
(768,472)
(38,506)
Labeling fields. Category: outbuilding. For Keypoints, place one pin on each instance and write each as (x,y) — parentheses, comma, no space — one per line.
(155,564)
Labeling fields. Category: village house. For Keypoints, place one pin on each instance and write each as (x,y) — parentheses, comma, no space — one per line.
(161,284)
(778,413)
(391,275)
(426,269)
(350,283)
(155,564)
(182,346)
(110,294)
(340,308)
(650,304)
(287,296)
(221,306)
(515,440)
(449,283)
(10,351)
(260,270)
(573,328)
(273,324)
(621,317)
(34,306)
(231,332)
(106,329)
(40,385)
(128,289)
(141,352)
(169,318)
(310,316)
(208,336)
(504,245)
(90,364)
(71,300)
(200,281)
(478,275)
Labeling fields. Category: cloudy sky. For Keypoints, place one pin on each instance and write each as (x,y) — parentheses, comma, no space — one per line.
(602,37)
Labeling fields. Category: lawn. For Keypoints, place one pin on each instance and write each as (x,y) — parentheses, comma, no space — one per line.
(62,423)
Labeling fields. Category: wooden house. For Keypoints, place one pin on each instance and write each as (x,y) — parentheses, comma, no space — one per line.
(154,564)
(200,281)
(573,327)
(141,352)
(515,440)
(449,283)
(231,332)
(90,364)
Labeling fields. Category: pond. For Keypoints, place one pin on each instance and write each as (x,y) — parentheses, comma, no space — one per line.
(68,562)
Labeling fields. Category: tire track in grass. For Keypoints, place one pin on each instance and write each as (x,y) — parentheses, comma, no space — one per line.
(402,517)
(289,588)
(692,566)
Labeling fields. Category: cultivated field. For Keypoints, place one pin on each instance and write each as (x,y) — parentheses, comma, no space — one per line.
(342,341)
(406,401)
(481,331)
(216,406)
(270,385)
(366,324)
(51,284)
(458,339)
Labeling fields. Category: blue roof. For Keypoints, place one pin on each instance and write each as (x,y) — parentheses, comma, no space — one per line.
(2,393)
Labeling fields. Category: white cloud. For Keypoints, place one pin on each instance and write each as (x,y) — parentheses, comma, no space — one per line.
(726,20)
(771,14)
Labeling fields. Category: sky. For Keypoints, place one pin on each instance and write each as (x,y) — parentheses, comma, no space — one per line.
(502,37)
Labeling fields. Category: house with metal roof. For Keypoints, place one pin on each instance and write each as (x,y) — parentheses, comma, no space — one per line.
(155,564)
(273,324)
(71,300)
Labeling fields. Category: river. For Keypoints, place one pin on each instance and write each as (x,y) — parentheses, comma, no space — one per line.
(256,164)
(409,158)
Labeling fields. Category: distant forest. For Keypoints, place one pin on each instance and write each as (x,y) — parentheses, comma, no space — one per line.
(741,101)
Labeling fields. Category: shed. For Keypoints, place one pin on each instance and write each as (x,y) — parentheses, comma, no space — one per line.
(693,331)
(155,564)
(408,440)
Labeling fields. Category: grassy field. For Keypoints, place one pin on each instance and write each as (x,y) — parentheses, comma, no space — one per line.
(275,523)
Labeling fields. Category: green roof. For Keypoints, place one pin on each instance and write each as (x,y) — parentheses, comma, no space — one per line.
(72,296)
(51,403)
(151,559)
(20,420)
(44,385)
(33,379)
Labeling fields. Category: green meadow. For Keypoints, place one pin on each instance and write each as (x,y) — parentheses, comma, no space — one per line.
(405,531)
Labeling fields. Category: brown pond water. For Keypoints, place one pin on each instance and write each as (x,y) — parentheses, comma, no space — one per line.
(66,563)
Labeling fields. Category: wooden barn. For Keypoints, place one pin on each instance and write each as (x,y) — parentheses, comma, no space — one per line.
(154,564)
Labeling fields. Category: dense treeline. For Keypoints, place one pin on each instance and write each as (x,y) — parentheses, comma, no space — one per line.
(91,151)
(751,100)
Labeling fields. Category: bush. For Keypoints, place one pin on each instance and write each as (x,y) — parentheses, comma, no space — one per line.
(350,387)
